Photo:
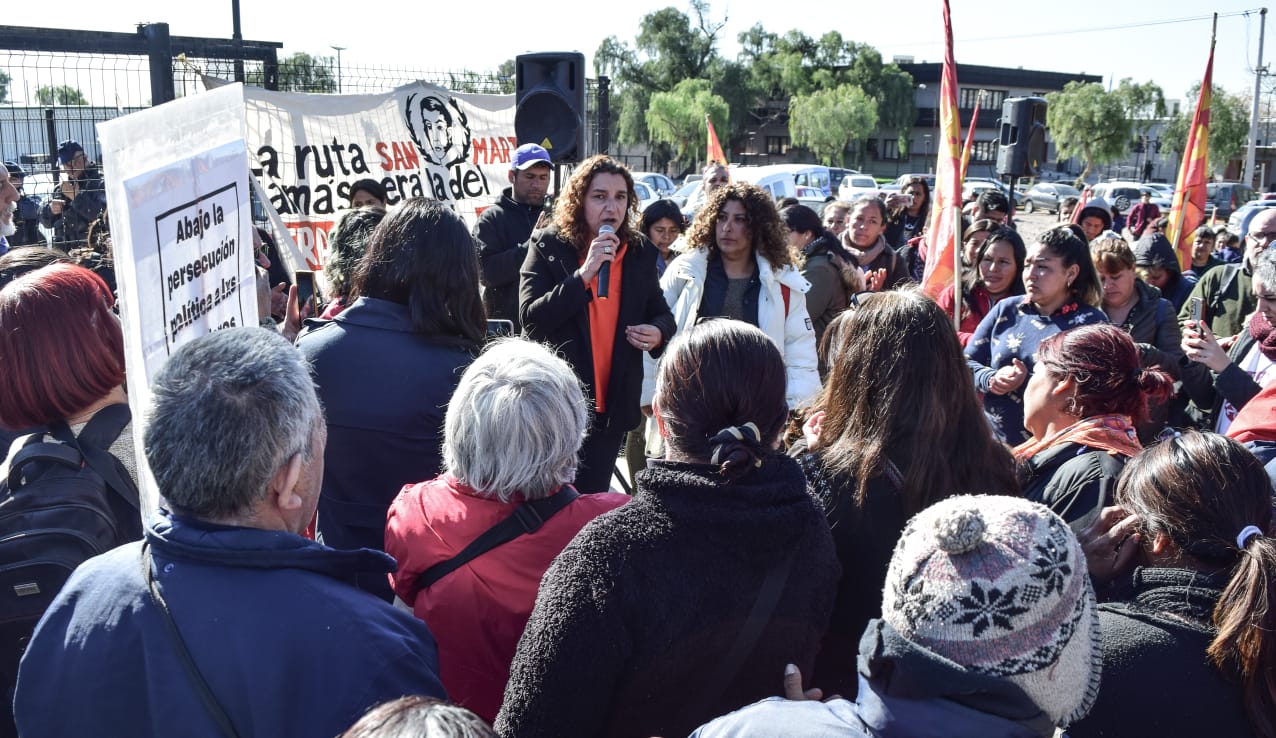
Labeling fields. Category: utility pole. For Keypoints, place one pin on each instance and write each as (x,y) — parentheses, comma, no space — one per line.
(1259,71)
(338,49)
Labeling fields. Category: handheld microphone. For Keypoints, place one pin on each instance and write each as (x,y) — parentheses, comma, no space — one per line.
(604,272)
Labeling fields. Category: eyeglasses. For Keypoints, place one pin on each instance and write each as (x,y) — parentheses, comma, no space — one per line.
(1267,236)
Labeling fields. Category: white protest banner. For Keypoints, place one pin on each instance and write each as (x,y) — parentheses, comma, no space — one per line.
(419,140)
(177,185)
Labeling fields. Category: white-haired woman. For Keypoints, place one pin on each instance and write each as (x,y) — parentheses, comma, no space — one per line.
(510,441)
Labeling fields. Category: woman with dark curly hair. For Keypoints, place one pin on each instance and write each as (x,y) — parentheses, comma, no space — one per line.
(589,289)
(740,266)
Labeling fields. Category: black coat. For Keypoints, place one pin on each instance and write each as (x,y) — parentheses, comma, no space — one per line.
(502,233)
(1157,680)
(553,305)
(637,613)
(865,538)
(1208,390)
(1074,481)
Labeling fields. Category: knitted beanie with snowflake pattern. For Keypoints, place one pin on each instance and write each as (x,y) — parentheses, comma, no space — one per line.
(999,585)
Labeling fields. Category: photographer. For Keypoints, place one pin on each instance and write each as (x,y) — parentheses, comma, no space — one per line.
(79,200)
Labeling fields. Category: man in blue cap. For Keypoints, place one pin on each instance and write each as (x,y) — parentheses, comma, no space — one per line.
(79,200)
(504,230)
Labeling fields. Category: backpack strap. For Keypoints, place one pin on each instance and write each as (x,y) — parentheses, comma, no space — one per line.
(526,518)
(34,449)
(95,438)
(197,680)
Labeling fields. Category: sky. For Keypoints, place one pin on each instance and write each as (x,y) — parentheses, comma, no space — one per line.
(1053,36)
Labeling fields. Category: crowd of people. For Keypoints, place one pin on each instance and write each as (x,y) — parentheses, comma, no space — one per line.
(726,466)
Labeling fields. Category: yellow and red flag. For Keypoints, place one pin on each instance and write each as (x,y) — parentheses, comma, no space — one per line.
(943,233)
(714,153)
(1188,211)
(970,136)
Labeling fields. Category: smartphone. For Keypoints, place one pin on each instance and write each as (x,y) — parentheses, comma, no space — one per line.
(1194,309)
(497,328)
(307,294)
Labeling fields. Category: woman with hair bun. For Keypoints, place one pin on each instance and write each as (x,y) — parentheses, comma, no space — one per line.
(1189,649)
(1086,395)
(640,626)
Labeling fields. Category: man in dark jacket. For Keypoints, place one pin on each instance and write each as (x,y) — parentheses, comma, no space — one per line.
(1226,292)
(26,217)
(282,642)
(79,200)
(504,230)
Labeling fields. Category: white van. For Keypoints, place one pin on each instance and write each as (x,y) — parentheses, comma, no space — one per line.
(807,175)
(776,179)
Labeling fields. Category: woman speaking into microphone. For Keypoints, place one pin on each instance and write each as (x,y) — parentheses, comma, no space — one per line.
(589,290)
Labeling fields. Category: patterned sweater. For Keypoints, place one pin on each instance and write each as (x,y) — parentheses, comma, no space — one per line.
(1013,329)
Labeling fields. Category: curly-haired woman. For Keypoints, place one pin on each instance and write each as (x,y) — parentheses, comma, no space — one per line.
(600,320)
(739,265)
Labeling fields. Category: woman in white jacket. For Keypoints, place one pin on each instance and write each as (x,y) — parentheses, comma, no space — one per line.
(738,265)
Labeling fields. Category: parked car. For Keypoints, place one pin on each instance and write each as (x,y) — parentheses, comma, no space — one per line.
(807,175)
(1238,222)
(662,185)
(973,186)
(836,175)
(685,193)
(777,179)
(812,198)
(1126,195)
(1227,197)
(646,195)
(1046,196)
(902,180)
(855,186)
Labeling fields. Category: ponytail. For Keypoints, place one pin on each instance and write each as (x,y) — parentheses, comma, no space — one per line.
(1246,620)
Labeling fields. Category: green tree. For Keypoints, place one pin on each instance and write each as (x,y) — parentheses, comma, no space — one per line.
(4,86)
(826,121)
(60,95)
(676,118)
(301,72)
(1144,104)
(1088,122)
(1229,127)
(670,47)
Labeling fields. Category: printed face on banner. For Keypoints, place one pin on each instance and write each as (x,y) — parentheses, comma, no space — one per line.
(419,140)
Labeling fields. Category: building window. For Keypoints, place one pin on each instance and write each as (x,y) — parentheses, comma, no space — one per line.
(992,99)
(984,151)
(777,145)
(890,148)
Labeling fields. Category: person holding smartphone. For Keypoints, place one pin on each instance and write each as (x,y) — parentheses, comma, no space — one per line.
(1222,380)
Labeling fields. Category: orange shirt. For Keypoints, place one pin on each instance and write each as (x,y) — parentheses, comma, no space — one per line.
(603,317)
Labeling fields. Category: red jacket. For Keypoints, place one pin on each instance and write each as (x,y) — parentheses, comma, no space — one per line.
(478,612)
(1142,216)
(973,310)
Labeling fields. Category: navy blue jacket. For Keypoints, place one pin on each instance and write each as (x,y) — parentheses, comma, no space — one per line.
(287,645)
(1012,330)
(385,390)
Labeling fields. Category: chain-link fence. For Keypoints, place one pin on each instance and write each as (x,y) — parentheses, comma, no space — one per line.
(58,84)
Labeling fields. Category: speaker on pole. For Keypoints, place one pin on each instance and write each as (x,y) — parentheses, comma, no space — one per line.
(1021,149)
(550,100)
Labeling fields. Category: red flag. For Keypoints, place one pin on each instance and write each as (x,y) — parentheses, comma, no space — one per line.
(944,229)
(970,136)
(1188,211)
(714,153)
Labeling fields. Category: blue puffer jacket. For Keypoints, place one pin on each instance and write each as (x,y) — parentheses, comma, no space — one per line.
(287,645)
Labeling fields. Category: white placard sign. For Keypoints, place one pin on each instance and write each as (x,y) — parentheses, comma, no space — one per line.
(177,191)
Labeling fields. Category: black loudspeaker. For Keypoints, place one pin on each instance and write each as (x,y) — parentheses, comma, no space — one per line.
(1021,149)
(550,98)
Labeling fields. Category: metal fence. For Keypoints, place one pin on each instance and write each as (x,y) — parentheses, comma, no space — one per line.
(61,83)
